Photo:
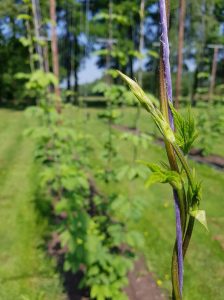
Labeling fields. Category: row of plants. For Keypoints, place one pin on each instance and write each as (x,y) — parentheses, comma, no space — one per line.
(93,239)
(210,124)
(208,119)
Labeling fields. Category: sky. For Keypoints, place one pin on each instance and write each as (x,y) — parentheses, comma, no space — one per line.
(89,71)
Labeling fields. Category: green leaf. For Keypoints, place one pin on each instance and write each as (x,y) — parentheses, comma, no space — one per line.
(162,175)
(155,178)
(186,132)
(93,271)
(24,17)
(148,104)
(24,41)
(100,292)
(61,206)
(203,75)
(67,266)
(112,72)
(153,53)
(200,215)
(153,167)
(21,75)
(136,54)
(52,78)
(122,172)
(35,57)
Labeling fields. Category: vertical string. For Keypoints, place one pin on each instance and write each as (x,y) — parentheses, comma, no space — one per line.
(168,81)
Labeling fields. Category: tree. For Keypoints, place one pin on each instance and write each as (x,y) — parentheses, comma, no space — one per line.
(10,30)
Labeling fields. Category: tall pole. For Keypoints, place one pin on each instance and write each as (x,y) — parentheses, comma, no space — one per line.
(182,12)
(140,72)
(141,40)
(87,38)
(54,49)
(213,74)
(37,32)
(110,42)
(216,48)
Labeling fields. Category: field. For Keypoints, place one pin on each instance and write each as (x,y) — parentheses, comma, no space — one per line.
(26,271)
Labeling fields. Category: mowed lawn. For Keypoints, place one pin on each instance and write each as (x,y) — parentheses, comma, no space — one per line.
(27,273)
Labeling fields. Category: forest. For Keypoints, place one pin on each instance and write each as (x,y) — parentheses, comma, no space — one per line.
(111,149)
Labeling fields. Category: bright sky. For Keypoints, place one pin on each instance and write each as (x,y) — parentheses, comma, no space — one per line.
(89,70)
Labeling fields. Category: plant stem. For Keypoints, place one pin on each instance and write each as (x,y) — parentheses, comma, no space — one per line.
(188,234)
(178,206)
(165,96)
(185,165)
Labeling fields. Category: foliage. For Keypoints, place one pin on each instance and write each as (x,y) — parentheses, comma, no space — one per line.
(186,132)
(211,127)
(186,188)
(96,242)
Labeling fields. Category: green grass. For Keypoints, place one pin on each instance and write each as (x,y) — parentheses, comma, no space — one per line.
(25,271)
(204,267)
(146,125)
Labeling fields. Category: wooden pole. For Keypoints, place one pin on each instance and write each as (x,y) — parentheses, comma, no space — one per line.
(54,49)
(37,33)
(213,74)
(110,42)
(141,41)
(182,12)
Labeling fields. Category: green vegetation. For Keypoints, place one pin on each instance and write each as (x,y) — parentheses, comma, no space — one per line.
(25,272)
(156,208)
(75,210)
(157,222)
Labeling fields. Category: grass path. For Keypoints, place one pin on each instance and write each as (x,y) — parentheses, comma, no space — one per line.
(25,272)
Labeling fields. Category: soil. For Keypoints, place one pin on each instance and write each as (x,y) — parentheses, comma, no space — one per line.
(142,286)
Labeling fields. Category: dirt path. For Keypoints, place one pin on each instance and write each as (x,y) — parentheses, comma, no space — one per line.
(142,285)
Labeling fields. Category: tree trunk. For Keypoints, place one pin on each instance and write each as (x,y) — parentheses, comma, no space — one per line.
(180,51)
